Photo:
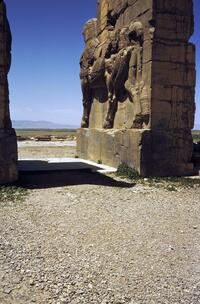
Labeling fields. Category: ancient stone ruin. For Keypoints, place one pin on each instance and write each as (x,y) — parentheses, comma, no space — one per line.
(138,83)
(8,142)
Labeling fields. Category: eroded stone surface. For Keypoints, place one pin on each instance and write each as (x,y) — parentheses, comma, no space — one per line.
(8,145)
(140,75)
(115,71)
(149,152)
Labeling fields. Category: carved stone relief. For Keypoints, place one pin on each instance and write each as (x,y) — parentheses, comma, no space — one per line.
(117,65)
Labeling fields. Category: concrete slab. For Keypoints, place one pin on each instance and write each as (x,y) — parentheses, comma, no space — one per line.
(61,164)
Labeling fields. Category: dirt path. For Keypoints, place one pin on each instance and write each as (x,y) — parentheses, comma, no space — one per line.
(101,241)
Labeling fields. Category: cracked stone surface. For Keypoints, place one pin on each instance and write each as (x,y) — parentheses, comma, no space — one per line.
(8,141)
(138,80)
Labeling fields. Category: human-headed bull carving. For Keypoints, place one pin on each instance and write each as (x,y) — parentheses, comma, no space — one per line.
(117,65)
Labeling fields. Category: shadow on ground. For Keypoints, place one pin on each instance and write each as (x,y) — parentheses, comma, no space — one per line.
(50,179)
(53,165)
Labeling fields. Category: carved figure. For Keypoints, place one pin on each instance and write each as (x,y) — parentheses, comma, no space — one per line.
(92,65)
(87,60)
(117,65)
(135,85)
(124,70)
(116,72)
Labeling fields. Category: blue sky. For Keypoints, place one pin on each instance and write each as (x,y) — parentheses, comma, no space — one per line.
(196,40)
(47,44)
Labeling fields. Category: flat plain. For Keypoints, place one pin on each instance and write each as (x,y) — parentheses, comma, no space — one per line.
(45,132)
(67,132)
(34,143)
(196,136)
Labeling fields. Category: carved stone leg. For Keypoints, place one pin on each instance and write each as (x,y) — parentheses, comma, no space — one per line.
(130,89)
(138,119)
(108,122)
(86,114)
(135,98)
(144,100)
(110,117)
(87,102)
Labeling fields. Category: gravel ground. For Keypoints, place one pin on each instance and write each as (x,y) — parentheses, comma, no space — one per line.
(98,240)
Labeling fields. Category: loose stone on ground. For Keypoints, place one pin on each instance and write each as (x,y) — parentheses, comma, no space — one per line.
(95,243)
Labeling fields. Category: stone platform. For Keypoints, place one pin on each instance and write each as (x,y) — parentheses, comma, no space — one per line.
(61,164)
(150,153)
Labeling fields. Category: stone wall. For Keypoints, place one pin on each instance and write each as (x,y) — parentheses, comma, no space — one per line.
(138,77)
(149,152)
(173,70)
(8,143)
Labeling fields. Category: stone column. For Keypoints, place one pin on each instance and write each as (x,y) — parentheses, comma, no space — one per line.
(8,142)
(173,87)
(141,79)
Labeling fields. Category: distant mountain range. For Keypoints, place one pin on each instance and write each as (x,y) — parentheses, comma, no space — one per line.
(29,124)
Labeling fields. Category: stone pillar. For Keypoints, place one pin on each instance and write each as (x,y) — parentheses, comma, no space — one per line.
(138,81)
(173,86)
(8,142)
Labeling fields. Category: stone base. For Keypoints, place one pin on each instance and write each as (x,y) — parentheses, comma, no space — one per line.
(150,153)
(8,156)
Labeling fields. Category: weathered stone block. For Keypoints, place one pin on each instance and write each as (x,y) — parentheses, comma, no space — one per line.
(170,74)
(174,52)
(151,153)
(8,141)
(178,7)
(173,27)
(8,156)
(146,94)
